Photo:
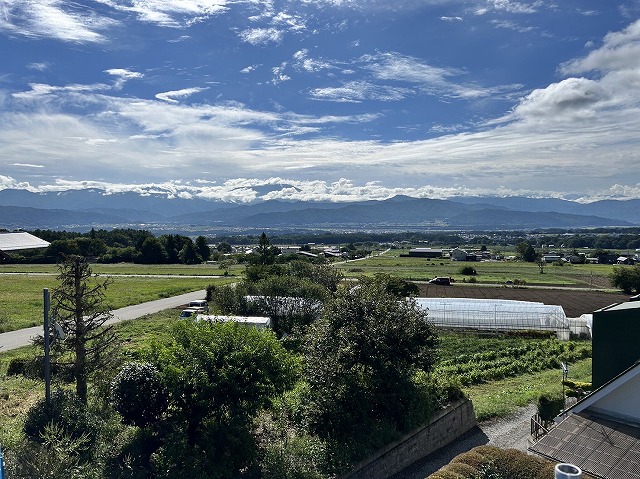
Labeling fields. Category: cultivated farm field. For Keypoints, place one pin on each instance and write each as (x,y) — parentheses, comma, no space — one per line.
(574,301)
(488,272)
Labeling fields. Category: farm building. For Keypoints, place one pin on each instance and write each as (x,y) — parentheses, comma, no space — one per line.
(496,314)
(458,254)
(19,241)
(425,252)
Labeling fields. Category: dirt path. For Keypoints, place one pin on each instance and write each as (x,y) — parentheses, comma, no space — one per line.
(509,432)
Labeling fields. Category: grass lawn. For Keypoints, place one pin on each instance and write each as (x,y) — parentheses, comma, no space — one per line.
(131,268)
(499,398)
(21,303)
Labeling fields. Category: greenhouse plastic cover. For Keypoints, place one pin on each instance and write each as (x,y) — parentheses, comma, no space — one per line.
(490,314)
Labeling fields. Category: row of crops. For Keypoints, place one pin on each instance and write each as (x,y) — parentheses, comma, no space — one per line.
(512,361)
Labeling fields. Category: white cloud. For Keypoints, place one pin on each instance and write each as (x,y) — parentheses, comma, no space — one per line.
(41,66)
(249,69)
(516,7)
(620,51)
(279,74)
(451,19)
(39,90)
(122,75)
(170,13)
(392,66)
(509,25)
(65,21)
(261,36)
(170,96)
(28,165)
(303,62)
(358,91)
(572,99)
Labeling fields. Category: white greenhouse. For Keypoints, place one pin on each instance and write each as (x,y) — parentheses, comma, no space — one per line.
(495,314)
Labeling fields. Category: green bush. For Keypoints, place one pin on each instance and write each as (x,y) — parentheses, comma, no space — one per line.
(138,394)
(295,458)
(58,456)
(66,412)
(33,368)
(468,270)
(550,405)
(490,462)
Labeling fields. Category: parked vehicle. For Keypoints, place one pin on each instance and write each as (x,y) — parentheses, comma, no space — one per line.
(189,312)
(200,303)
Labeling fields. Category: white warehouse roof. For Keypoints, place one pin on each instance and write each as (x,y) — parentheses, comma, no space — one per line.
(19,241)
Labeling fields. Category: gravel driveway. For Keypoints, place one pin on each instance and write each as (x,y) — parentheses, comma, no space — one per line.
(508,432)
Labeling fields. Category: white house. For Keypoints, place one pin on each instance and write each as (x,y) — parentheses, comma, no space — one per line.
(458,254)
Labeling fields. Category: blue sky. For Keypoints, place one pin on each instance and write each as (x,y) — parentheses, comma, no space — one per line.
(333,99)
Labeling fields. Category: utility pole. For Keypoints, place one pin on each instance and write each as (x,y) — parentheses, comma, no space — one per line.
(47,346)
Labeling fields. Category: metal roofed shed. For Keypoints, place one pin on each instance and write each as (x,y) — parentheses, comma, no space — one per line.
(19,241)
(495,315)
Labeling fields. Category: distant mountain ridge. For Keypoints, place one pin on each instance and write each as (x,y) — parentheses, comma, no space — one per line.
(83,209)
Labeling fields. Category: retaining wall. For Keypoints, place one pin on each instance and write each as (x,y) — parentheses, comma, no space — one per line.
(445,427)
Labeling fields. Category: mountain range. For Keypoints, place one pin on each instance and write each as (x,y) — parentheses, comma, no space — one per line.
(81,210)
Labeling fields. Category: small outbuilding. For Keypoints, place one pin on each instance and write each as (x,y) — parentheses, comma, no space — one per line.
(19,241)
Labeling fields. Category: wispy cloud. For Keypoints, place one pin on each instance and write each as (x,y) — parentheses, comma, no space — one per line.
(170,13)
(40,66)
(510,25)
(123,75)
(358,91)
(170,96)
(65,21)
(304,62)
(511,6)
(261,36)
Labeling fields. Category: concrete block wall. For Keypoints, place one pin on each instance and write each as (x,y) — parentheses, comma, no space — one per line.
(445,427)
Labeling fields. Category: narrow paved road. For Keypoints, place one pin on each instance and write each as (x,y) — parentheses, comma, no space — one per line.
(23,337)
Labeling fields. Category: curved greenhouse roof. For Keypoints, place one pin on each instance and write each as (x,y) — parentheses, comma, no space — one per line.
(497,314)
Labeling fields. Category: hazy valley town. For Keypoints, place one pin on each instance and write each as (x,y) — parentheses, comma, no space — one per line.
(335,239)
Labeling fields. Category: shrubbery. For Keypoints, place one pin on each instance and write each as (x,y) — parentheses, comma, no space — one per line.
(138,394)
(67,413)
(550,405)
(490,462)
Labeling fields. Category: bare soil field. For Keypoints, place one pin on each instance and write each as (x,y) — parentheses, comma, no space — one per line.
(574,301)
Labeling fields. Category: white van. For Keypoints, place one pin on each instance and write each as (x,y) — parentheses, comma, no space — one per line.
(189,312)
(199,303)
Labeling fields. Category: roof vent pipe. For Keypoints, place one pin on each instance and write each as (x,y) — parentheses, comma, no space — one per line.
(567,471)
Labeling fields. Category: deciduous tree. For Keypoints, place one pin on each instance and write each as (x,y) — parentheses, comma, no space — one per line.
(360,359)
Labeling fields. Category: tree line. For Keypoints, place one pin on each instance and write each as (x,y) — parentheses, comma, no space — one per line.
(118,246)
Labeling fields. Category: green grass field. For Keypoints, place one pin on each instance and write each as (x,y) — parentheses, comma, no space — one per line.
(488,272)
(131,268)
(21,301)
